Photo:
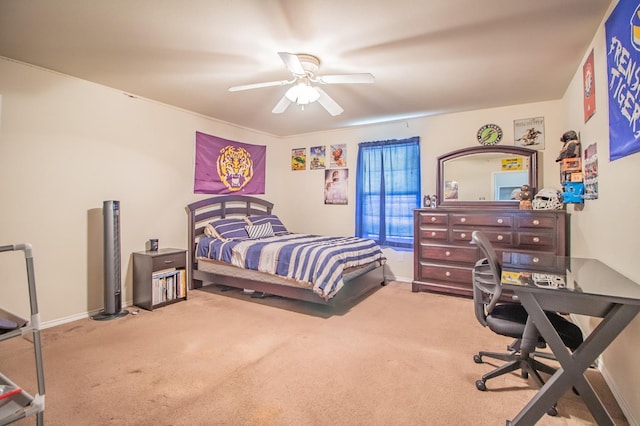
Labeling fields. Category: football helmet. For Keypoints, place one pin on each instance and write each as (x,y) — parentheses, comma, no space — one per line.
(547,199)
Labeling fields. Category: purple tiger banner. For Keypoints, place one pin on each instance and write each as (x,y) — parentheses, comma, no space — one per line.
(228,167)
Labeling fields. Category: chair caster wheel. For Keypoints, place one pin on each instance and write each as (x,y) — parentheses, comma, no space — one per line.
(480,385)
(477,359)
(553,411)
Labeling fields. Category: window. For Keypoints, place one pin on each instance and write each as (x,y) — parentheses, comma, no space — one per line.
(387,190)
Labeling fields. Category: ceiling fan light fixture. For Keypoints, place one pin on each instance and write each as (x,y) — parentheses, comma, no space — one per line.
(302,94)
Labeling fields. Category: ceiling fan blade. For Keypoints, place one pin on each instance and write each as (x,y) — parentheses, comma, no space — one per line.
(259,85)
(347,78)
(281,106)
(292,62)
(328,103)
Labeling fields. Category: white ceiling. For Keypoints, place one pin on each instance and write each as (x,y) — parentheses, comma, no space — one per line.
(428,57)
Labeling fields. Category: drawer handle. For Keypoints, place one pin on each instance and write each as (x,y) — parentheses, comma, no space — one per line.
(448,274)
(536,260)
(166,262)
(536,239)
(433,233)
(536,222)
(500,220)
(447,253)
(500,238)
(433,219)
(463,220)
(463,235)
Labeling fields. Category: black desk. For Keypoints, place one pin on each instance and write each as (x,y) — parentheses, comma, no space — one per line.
(570,285)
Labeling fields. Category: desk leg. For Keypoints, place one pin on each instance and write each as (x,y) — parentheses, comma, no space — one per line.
(573,365)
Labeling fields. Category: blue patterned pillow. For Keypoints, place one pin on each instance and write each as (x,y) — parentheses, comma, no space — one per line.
(231,229)
(276,224)
(260,231)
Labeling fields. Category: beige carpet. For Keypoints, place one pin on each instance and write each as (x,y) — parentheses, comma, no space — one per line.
(395,358)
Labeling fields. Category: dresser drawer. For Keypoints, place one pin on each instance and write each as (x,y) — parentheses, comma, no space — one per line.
(428,218)
(476,219)
(174,260)
(545,222)
(438,234)
(495,236)
(548,261)
(446,273)
(450,253)
(538,240)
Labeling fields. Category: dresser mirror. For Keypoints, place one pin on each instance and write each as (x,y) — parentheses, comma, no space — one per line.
(487,176)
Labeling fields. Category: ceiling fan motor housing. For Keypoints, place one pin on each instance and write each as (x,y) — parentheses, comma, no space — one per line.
(310,63)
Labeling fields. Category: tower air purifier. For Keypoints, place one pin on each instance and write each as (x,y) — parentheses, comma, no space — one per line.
(112,272)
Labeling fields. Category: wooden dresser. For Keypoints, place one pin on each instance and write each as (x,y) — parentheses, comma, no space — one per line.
(444,257)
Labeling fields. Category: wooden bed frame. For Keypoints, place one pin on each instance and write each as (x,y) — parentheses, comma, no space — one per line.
(356,283)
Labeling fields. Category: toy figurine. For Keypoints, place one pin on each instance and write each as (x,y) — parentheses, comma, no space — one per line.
(525,197)
(573,192)
(571,147)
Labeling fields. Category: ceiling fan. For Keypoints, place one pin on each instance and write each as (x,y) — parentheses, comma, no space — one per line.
(304,68)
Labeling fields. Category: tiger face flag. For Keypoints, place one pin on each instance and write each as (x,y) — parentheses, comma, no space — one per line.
(227,167)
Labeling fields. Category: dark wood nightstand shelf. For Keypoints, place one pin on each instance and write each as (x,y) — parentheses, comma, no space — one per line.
(159,277)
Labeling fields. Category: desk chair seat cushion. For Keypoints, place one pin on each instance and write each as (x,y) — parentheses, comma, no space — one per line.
(509,319)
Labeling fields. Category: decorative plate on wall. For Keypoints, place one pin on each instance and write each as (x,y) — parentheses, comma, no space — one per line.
(489,134)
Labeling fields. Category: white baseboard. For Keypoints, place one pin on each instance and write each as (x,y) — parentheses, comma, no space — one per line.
(388,278)
(624,406)
(75,317)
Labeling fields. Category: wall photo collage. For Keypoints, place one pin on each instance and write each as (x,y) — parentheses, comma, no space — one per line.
(336,174)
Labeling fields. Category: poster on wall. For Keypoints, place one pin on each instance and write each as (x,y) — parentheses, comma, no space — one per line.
(529,132)
(591,172)
(589,88)
(228,167)
(318,156)
(335,186)
(338,156)
(299,159)
(622,31)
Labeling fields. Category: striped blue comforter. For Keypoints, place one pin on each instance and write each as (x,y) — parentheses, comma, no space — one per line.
(316,261)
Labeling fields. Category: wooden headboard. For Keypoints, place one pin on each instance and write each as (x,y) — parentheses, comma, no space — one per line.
(204,211)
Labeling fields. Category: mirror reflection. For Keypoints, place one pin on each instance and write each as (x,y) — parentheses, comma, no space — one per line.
(485,175)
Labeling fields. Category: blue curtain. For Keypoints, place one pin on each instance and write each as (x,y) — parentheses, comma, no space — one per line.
(387,190)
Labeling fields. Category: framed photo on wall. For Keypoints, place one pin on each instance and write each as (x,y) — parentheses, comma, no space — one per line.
(318,156)
(299,159)
(589,88)
(529,133)
(338,156)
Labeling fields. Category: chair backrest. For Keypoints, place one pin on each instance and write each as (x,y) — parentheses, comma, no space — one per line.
(487,274)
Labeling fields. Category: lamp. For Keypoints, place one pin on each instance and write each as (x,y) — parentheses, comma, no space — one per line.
(302,93)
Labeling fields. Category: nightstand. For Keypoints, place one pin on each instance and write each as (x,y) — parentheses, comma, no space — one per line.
(159,277)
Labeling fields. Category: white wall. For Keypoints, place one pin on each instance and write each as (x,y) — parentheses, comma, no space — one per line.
(608,228)
(66,145)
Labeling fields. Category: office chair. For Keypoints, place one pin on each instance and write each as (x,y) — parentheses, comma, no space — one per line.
(510,319)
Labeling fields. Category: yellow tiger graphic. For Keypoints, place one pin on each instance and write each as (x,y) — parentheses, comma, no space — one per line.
(235,167)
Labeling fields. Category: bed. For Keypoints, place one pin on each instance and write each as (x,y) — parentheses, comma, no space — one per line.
(222,253)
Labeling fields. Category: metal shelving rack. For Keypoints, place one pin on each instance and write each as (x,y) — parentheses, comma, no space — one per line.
(23,404)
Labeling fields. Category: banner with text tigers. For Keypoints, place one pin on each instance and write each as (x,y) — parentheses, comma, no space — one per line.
(623,62)
(228,167)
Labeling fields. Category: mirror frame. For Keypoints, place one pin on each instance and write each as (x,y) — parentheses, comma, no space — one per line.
(531,154)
